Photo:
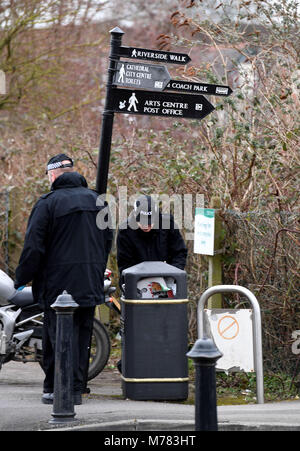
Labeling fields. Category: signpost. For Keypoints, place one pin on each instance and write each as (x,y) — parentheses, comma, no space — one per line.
(197,88)
(153,55)
(138,77)
(160,104)
(145,76)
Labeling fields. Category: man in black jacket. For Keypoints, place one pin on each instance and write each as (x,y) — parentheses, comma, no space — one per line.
(149,235)
(65,250)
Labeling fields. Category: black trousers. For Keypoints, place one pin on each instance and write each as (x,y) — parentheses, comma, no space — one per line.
(82,330)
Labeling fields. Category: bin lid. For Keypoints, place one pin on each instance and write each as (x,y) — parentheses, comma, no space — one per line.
(153,268)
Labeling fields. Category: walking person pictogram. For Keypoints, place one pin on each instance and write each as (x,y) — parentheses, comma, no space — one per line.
(132,102)
(121,74)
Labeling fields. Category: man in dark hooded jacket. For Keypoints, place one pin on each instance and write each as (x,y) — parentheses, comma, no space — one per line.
(65,250)
(149,235)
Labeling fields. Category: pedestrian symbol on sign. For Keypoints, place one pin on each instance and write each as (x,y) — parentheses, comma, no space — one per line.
(121,74)
(132,102)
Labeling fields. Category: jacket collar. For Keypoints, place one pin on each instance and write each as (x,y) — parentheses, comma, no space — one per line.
(69,180)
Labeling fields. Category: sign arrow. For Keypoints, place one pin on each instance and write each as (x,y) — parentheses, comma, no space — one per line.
(141,76)
(160,104)
(203,88)
(153,55)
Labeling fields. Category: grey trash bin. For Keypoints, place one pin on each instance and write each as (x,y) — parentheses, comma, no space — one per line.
(154,336)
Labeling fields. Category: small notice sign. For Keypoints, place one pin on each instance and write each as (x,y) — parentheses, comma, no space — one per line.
(204,231)
(232,332)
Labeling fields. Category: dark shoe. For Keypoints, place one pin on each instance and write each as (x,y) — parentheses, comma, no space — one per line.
(86,391)
(77,399)
(47,398)
(119,366)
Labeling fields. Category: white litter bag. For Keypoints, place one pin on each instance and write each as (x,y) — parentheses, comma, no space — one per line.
(7,289)
(156,287)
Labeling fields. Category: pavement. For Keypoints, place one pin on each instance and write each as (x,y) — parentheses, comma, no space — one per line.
(105,409)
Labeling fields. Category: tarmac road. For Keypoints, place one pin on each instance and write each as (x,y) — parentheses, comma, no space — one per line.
(105,409)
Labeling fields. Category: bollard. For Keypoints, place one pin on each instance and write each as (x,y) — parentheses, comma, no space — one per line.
(63,402)
(205,355)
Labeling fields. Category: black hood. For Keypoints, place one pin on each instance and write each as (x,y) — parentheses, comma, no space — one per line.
(69,180)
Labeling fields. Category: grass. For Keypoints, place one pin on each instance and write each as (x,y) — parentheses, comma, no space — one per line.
(240,388)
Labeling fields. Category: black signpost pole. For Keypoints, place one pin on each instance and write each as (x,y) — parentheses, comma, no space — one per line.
(108,114)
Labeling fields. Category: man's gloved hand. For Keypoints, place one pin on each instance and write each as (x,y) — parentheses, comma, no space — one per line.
(21,288)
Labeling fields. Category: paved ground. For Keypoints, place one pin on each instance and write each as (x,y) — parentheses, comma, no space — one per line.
(105,409)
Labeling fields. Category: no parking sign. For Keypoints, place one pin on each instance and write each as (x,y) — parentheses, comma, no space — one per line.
(2,83)
(232,332)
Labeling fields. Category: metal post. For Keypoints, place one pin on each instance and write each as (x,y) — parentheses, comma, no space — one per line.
(6,233)
(215,266)
(63,403)
(257,336)
(108,114)
(205,355)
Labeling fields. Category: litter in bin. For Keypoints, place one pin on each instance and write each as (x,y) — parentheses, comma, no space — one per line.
(156,288)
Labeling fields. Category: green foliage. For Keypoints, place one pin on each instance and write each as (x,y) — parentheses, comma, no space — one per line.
(240,388)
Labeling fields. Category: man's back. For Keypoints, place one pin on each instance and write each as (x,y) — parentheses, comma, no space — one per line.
(72,250)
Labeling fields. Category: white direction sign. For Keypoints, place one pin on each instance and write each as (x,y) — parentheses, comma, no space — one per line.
(143,76)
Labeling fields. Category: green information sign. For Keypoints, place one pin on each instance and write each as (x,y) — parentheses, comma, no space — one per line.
(204,231)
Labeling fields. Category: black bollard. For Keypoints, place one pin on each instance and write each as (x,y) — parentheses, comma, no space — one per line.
(63,402)
(205,355)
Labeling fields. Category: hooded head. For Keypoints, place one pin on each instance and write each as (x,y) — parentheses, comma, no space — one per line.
(146,212)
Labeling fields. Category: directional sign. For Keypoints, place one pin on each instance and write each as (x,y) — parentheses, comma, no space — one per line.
(139,75)
(160,104)
(203,88)
(153,55)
